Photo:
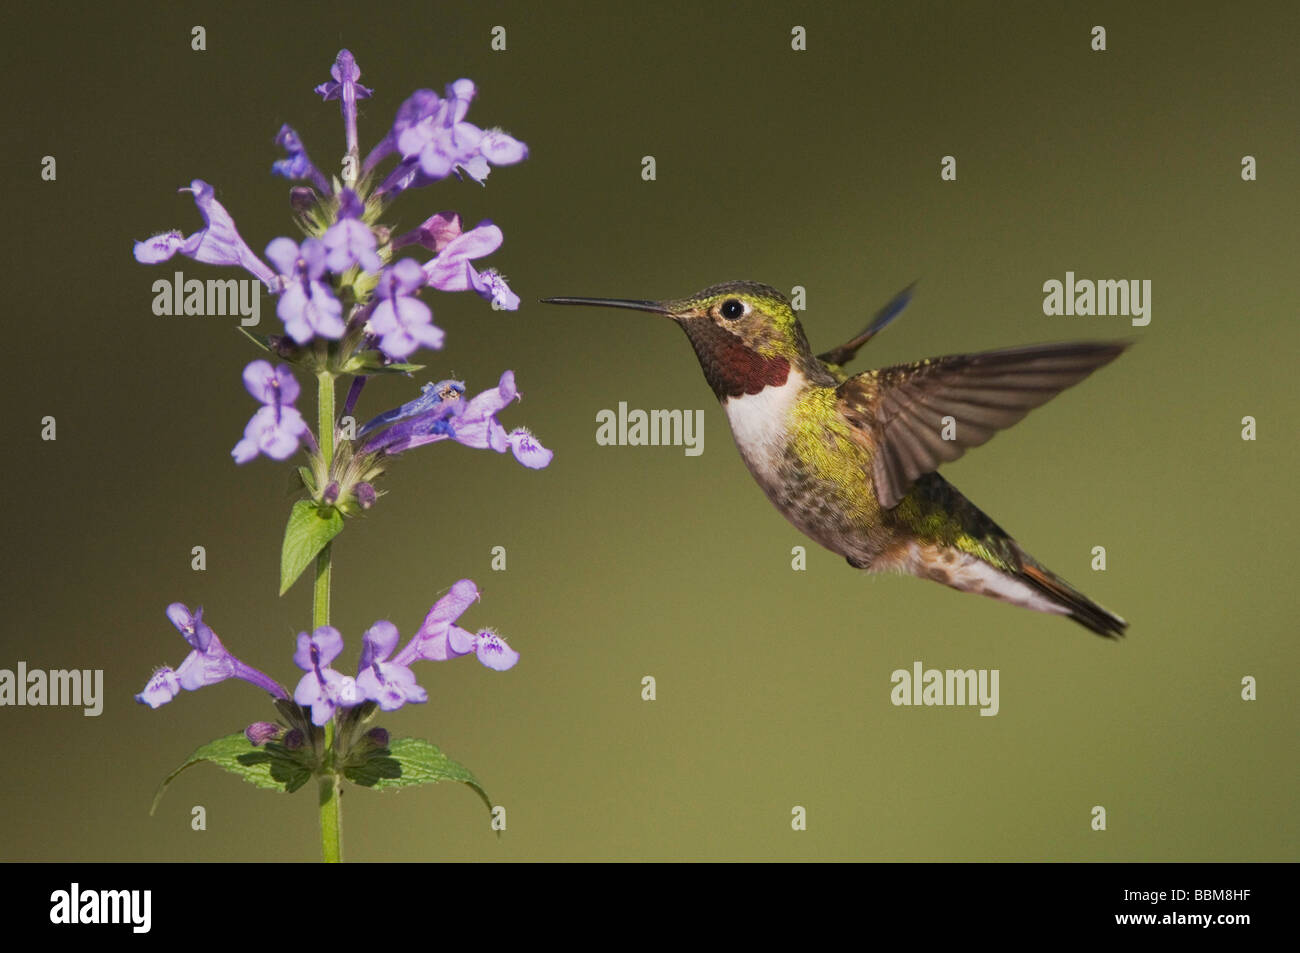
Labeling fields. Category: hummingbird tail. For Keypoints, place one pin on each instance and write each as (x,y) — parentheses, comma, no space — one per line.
(1076,605)
(1002,571)
(1018,580)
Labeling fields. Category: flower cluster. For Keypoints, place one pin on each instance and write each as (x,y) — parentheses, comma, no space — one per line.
(382,677)
(346,300)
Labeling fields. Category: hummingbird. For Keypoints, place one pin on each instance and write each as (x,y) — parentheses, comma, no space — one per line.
(851,460)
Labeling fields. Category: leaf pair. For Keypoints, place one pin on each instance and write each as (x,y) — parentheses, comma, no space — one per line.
(404,763)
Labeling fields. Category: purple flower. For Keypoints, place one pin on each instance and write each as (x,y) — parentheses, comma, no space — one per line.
(322,688)
(434,141)
(162,687)
(440,140)
(345,88)
(452,271)
(491,286)
(440,413)
(307,307)
(349,241)
(501,149)
(216,244)
(297,165)
(208,663)
(271,385)
(478,427)
(423,420)
(493,651)
(435,233)
(417,106)
(433,640)
(440,638)
(272,431)
(390,684)
(402,321)
(277,426)
(527,450)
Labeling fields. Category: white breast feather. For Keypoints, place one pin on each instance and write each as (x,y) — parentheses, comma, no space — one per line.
(759,422)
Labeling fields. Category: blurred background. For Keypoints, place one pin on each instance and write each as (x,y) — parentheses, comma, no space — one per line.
(817,168)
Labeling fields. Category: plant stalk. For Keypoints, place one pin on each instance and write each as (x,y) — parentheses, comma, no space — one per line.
(331,806)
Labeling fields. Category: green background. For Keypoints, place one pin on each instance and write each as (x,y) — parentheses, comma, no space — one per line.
(816,168)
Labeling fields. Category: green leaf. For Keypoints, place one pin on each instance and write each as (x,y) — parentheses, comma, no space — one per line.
(311,527)
(272,766)
(410,761)
(259,341)
(399,368)
(372,362)
(378,765)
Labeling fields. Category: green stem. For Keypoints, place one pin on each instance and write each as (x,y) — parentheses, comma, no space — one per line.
(331,816)
(320,598)
(331,807)
(325,416)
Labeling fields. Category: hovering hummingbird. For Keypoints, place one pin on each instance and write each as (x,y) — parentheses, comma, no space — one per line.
(851,460)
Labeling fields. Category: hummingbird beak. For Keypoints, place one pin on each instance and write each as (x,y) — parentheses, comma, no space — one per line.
(654,307)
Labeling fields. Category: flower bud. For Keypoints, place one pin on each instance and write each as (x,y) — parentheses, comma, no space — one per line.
(365,494)
(260,732)
(303,198)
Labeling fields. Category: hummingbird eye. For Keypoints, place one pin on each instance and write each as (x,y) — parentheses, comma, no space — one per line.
(732,308)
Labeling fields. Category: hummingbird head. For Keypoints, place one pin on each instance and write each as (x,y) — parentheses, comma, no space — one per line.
(745,334)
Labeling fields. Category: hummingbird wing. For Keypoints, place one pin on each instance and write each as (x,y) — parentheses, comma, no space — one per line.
(902,408)
(837,357)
